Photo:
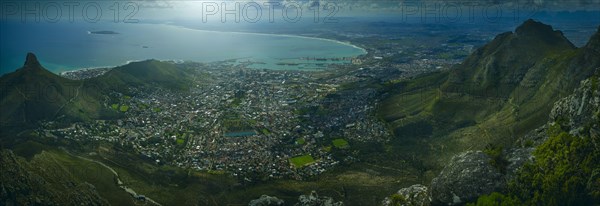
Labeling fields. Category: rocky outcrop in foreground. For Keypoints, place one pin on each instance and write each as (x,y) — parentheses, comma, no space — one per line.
(415,195)
(314,200)
(465,178)
(581,109)
(266,200)
(472,174)
(304,200)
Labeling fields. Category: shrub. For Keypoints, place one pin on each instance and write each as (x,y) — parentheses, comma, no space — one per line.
(497,157)
(397,200)
(560,174)
(496,199)
(566,171)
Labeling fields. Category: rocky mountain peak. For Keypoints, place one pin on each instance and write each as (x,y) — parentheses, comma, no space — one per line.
(31,61)
(594,42)
(538,30)
(531,26)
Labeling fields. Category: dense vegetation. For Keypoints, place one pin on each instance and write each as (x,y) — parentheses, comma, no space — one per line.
(566,171)
(497,158)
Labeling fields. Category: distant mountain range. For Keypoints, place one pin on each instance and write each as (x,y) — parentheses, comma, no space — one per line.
(501,91)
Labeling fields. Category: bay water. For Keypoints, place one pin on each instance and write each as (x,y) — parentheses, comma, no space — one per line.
(70,46)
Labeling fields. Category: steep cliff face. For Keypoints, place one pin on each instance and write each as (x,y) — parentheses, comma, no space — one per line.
(580,111)
(471,174)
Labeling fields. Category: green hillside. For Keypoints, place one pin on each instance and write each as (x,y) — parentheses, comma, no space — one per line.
(149,73)
(32,93)
(502,91)
(565,170)
(55,177)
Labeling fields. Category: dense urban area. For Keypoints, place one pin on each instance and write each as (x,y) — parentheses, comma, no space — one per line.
(258,124)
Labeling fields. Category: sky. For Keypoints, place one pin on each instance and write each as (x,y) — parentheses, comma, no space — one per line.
(219,11)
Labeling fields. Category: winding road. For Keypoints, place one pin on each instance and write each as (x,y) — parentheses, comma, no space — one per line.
(119,182)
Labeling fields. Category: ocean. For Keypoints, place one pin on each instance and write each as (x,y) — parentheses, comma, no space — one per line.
(70,46)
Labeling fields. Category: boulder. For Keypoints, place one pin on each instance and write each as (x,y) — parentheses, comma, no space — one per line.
(314,200)
(465,178)
(266,200)
(517,158)
(415,195)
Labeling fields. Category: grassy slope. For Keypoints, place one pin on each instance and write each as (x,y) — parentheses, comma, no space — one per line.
(58,162)
(33,93)
(502,91)
(176,186)
(149,73)
(61,169)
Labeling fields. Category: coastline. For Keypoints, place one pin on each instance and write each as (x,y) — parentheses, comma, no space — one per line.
(277,35)
(363,50)
(64,69)
(83,69)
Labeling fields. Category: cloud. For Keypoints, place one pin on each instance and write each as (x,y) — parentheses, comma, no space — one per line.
(157,4)
(184,9)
